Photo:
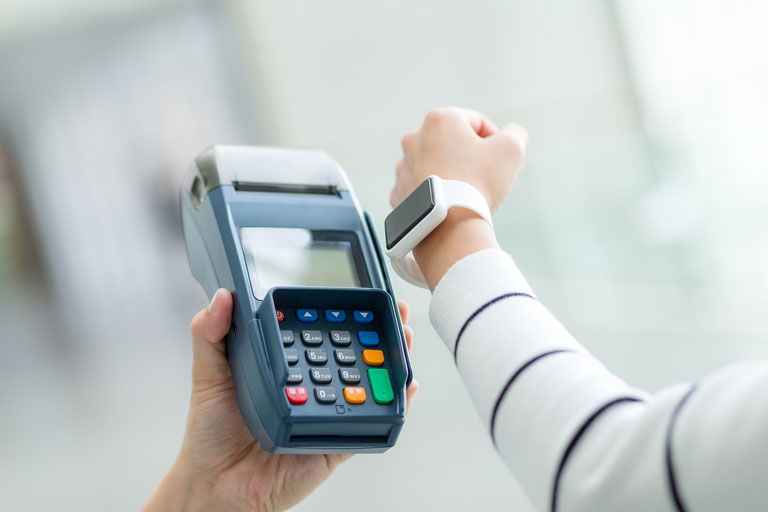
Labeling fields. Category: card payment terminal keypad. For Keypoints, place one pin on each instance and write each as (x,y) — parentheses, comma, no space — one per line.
(334,356)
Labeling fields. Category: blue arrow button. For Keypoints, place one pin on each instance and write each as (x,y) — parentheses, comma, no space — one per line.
(335,316)
(306,315)
(363,317)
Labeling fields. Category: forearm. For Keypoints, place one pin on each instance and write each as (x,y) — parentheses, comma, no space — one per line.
(531,382)
(462,233)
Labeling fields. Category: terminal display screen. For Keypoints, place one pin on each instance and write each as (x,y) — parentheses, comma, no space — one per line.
(301,257)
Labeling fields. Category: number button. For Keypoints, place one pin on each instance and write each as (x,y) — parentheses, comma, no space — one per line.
(325,395)
(368,338)
(345,356)
(363,317)
(335,316)
(354,395)
(320,375)
(292,356)
(287,337)
(350,375)
(294,376)
(341,338)
(296,396)
(312,338)
(316,356)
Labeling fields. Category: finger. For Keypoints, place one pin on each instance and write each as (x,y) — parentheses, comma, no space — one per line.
(410,393)
(400,169)
(482,126)
(462,117)
(408,141)
(405,310)
(408,337)
(209,360)
(514,137)
(395,195)
(518,131)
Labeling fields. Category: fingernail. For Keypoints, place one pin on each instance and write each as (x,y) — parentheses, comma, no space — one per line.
(214,305)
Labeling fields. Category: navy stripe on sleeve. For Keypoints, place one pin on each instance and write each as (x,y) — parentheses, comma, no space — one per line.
(509,383)
(668,452)
(579,434)
(480,310)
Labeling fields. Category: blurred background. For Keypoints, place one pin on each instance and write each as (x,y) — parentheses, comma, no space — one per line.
(640,218)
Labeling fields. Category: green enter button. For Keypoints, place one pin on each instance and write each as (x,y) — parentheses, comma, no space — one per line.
(380,385)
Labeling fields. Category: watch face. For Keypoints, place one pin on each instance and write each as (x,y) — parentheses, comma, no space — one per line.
(409,213)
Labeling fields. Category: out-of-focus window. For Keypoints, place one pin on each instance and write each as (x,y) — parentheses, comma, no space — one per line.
(701,75)
(99,119)
(103,122)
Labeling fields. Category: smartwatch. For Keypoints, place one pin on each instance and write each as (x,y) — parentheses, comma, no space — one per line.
(419,214)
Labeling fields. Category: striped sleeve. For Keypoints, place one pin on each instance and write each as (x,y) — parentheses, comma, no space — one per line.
(576,436)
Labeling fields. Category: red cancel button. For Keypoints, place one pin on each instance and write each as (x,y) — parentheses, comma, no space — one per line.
(296,395)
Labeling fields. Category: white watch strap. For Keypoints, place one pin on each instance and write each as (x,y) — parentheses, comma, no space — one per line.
(407,268)
(464,195)
(454,193)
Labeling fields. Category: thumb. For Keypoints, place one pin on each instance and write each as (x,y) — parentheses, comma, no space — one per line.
(209,359)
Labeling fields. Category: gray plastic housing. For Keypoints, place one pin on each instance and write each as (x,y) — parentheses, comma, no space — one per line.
(232,187)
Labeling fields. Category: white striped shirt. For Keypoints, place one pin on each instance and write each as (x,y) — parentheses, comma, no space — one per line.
(577,437)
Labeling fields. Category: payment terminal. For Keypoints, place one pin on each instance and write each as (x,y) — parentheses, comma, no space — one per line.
(316,347)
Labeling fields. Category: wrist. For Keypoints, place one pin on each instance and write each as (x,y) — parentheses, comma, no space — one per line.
(181,490)
(463,232)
